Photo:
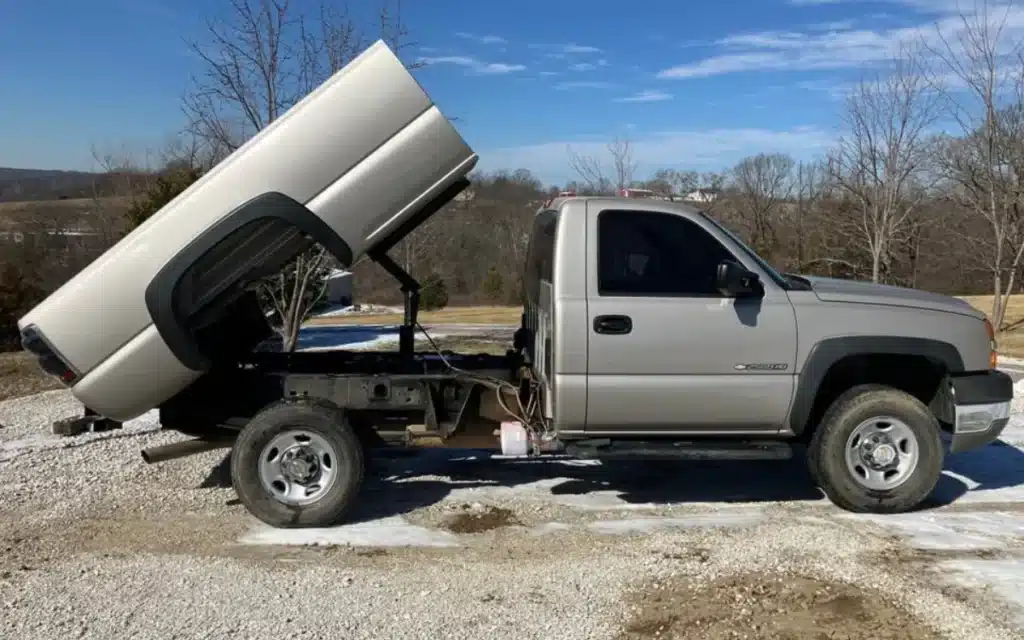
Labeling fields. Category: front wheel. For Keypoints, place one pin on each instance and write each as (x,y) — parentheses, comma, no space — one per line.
(298,464)
(877,450)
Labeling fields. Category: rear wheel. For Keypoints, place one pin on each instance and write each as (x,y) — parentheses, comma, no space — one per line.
(877,450)
(298,464)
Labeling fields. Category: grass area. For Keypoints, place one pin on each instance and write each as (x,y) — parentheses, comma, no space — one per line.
(82,204)
(469,346)
(20,375)
(450,315)
(1011,338)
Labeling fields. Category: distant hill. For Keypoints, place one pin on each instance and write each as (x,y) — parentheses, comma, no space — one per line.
(44,184)
(18,185)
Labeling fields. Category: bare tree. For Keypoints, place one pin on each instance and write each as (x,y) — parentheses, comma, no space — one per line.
(672,181)
(124,175)
(808,183)
(881,160)
(763,183)
(599,178)
(259,61)
(983,68)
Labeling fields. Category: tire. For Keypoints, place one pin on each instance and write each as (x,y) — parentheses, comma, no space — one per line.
(867,404)
(313,428)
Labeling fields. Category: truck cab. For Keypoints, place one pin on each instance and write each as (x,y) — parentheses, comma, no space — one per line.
(642,277)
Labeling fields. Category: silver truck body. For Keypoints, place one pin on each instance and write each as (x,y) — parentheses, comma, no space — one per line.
(361,154)
(704,363)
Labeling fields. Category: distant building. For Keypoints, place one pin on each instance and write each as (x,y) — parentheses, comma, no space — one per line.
(702,195)
(339,288)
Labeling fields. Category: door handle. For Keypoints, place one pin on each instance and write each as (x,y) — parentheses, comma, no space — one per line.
(613,325)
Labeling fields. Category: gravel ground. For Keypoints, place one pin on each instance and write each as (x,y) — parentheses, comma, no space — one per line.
(96,544)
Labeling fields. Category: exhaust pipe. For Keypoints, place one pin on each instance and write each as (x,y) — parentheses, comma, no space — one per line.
(182,449)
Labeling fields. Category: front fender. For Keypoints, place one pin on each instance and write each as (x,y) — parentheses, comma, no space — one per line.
(828,352)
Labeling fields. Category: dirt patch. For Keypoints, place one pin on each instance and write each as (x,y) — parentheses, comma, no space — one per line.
(20,375)
(915,557)
(119,535)
(480,520)
(769,608)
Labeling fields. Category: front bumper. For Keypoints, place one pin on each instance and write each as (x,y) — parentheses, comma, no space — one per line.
(981,404)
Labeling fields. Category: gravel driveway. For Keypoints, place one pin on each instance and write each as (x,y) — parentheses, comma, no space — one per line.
(96,544)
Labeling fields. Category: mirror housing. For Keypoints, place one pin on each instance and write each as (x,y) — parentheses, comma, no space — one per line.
(733,280)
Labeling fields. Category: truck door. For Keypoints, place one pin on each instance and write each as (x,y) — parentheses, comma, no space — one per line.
(666,351)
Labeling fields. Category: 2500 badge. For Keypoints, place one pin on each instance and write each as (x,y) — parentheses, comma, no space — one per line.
(762,366)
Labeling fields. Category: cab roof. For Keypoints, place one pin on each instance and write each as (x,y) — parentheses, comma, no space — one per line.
(624,202)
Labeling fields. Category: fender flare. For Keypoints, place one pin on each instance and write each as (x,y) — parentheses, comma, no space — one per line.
(162,292)
(828,352)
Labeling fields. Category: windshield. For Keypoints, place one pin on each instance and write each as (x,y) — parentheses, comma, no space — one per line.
(772,273)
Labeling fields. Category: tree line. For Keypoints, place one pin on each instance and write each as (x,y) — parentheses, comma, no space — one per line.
(922,188)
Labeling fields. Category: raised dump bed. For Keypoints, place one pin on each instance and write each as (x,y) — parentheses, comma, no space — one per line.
(355,165)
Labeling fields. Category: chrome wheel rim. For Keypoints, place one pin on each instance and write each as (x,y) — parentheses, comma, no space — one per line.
(882,453)
(298,467)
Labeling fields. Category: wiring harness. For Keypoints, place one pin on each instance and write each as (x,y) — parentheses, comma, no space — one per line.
(529,415)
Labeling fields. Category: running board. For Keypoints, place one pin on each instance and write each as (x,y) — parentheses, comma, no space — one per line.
(609,449)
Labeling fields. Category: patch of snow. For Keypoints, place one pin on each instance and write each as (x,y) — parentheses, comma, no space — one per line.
(385,338)
(13,448)
(392,531)
(1004,577)
(374,343)
(549,528)
(1017,405)
(1014,431)
(602,501)
(32,441)
(950,531)
(357,309)
(991,474)
(726,519)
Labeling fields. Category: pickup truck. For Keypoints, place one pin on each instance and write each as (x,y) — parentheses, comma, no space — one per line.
(649,330)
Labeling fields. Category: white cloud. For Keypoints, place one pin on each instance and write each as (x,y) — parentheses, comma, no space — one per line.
(812,3)
(475,65)
(562,49)
(582,66)
(481,39)
(927,6)
(549,73)
(646,96)
(575,48)
(836,49)
(705,150)
(835,25)
(585,84)
(498,67)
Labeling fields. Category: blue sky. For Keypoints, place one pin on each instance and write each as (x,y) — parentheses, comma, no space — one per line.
(693,84)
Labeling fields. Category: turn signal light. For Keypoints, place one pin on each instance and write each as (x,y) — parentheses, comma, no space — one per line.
(993,357)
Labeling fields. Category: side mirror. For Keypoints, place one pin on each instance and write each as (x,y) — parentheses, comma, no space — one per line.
(736,281)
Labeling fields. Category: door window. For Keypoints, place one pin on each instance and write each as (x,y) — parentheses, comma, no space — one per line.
(648,253)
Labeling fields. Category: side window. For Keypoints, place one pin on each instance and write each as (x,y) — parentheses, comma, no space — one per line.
(646,253)
(540,260)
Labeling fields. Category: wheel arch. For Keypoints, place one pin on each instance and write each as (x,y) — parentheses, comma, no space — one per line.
(835,364)
(249,239)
